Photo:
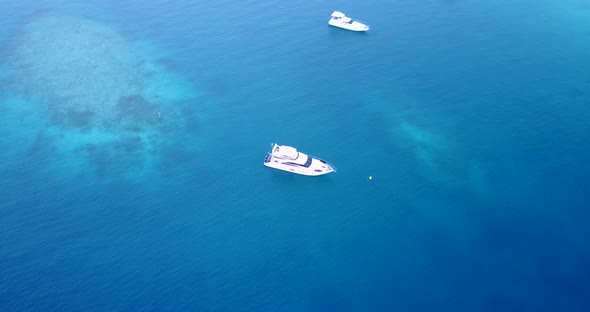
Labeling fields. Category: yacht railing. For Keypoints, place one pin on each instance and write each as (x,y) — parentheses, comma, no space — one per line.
(325,162)
(268,158)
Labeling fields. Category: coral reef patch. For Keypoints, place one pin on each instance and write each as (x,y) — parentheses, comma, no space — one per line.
(100,98)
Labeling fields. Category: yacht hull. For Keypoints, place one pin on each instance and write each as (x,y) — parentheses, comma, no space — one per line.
(297,163)
(355,26)
(340,20)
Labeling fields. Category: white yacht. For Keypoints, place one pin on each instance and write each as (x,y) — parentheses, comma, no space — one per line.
(288,159)
(340,20)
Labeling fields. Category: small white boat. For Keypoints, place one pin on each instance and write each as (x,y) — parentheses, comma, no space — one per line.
(289,159)
(340,20)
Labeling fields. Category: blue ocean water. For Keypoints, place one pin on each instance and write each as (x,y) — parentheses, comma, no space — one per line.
(133,136)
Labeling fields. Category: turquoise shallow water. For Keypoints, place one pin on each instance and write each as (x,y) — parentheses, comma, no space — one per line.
(472,119)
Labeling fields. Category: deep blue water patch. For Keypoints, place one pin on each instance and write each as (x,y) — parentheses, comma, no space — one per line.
(134,133)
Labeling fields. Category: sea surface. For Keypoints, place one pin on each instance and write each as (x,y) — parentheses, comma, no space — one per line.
(133,134)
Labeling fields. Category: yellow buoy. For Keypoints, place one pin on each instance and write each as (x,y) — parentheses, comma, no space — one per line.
(370,178)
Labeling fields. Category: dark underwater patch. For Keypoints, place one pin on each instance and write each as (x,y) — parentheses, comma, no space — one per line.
(79,118)
(130,144)
(72,118)
(167,63)
(116,157)
(137,108)
(43,146)
(39,155)
(99,156)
